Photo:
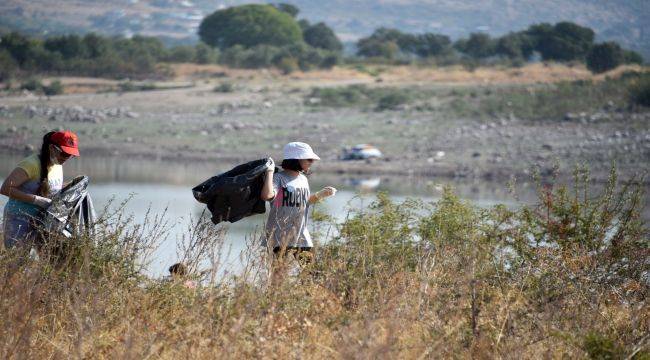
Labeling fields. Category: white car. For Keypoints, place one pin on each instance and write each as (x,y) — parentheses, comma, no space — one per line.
(361,152)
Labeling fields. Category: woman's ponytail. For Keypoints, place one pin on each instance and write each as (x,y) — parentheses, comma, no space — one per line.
(44,157)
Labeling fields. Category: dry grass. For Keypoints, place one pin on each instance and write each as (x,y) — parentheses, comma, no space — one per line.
(444,280)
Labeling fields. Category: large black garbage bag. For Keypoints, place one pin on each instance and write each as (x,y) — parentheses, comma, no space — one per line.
(235,194)
(72,211)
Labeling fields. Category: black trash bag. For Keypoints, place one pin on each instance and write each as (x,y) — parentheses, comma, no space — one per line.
(72,211)
(235,194)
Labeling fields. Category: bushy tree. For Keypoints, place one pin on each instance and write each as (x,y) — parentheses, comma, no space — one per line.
(249,25)
(96,46)
(260,56)
(515,46)
(370,47)
(321,36)
(428,44)
(565,41)
(287,8)
(69,46)
(18,45)
(385,43)
(604,57)
(632,57)
(479,45)
(8,66)
(182,53)
(205,54)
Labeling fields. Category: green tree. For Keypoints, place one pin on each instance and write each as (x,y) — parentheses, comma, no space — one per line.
(150,45)
(515,46)
(260,56)
(69,46)
(8,66)
(182,53)
(632,57)
(233,56)
(428,44)
(479,45)
(321,36)
(249,25)
(385,42)
(19,46)
(287,8)
(369,47)
(565,41)
(96,46)
(204,54)
(604,57)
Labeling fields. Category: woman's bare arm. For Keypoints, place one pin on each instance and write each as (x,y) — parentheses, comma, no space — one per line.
(10,187)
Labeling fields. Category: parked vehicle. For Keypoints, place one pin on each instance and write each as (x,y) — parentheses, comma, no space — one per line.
(361,152)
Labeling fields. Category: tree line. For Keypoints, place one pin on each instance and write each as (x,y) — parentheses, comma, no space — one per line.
(92,55)
(250,36)
(262,36)
(562,42)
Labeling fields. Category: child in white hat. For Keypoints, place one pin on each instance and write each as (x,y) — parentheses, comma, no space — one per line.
(290,197)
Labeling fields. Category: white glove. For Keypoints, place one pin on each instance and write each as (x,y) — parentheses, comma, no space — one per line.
(270,165)
(326,192)
(42,201)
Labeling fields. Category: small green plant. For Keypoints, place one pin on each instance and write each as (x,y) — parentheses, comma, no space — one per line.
(602,347)
(224,87)
(344,96)
(392,101)
(640,92)
(384,98)
(287,65)
(54,88)
(32,84)
(129,86)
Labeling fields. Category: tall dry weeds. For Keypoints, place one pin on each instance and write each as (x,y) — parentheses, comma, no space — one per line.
(567,277)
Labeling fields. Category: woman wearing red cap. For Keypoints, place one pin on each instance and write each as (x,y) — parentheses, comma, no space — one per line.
(31,185)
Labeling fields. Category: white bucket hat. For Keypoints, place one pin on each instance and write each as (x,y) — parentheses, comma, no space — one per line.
(299,150)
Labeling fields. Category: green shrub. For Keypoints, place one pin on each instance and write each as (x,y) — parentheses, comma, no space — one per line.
(8,65)
(128,86)
(604,57)
(385,98)
(260,56)
(640,92)
(224,87)
(392,101)
(345,96)
(182,54)
(287,65)
(32,84)
(601,347)
(54,88)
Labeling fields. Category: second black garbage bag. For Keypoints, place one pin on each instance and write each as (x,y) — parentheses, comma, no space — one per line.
(235,194)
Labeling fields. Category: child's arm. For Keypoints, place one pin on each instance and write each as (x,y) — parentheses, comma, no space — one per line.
(326,192)
(268,193)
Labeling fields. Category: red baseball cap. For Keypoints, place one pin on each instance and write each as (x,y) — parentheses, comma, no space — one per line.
(67,141)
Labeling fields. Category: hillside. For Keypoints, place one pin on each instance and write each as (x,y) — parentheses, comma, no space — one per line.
(624,21)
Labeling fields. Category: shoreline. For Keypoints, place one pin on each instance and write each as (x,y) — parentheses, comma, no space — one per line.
(375,167)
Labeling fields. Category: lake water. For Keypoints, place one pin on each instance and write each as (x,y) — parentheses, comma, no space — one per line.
(163,186)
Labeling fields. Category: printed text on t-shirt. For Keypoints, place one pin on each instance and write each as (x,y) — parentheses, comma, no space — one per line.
(295,198)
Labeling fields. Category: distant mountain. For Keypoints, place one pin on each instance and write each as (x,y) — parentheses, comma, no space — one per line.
(624,21)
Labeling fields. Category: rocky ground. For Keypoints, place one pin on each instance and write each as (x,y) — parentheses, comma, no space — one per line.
(259,115)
